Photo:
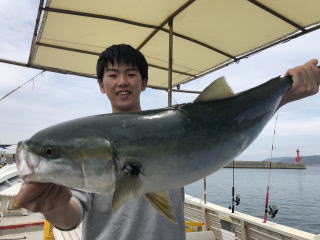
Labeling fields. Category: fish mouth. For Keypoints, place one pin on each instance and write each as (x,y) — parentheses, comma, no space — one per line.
(34,168)
(27,162)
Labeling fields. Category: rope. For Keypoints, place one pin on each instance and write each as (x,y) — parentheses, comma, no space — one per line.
(14,90)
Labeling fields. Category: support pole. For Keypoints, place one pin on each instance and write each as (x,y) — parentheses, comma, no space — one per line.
(170,23)
(35,32)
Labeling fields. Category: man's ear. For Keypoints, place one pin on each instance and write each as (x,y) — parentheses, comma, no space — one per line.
(144,84)
(101,87)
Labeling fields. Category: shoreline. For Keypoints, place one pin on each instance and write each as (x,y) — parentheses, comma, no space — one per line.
(265,164)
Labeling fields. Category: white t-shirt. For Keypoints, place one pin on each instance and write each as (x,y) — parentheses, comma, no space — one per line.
(137,219)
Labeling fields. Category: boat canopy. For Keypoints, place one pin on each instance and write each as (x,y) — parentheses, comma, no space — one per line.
(189,37)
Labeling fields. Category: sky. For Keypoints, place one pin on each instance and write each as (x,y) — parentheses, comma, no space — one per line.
(53,98)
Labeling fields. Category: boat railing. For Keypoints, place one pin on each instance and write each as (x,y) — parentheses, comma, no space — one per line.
(7,202)
(239,225)
(7,172)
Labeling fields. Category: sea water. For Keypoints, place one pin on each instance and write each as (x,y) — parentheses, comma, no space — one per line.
(295,192)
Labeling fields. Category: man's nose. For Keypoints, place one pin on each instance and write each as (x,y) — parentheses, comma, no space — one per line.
(122,81)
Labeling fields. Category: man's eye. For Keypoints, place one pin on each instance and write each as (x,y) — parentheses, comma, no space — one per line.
(111,76)
(132,74)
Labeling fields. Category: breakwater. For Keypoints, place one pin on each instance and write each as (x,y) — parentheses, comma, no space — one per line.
(265,164)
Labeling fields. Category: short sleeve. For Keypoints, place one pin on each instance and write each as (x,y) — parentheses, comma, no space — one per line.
(84,201)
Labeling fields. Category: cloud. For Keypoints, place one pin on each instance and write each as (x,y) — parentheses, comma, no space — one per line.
(17,20)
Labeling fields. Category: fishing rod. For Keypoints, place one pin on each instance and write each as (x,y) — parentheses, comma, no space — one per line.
(273,210)
(235,199)
(205,193)
(17,88)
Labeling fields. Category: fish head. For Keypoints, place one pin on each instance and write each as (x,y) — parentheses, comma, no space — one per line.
(68,159)
(42,162)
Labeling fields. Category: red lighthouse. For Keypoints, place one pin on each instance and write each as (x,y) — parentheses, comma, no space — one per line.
(298,158)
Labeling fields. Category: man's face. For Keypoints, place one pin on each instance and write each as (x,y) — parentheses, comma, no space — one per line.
(123,85)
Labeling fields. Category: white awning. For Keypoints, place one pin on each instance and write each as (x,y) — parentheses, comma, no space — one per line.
(207,34)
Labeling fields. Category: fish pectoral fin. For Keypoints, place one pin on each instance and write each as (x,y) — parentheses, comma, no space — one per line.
(161,202)
(218,89)
(126,188)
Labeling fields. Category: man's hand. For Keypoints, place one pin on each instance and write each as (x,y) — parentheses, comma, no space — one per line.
(53,201)
(306,81)
(43,197)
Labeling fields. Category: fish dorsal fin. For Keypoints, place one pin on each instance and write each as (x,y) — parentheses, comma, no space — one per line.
(161,202)
(218,89)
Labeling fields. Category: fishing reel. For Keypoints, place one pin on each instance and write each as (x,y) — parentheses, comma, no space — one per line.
(235,201)
(273,210)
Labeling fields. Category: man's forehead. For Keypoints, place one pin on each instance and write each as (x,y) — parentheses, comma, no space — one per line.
(121,66)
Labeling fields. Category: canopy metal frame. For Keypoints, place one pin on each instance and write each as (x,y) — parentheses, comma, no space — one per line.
(44,8)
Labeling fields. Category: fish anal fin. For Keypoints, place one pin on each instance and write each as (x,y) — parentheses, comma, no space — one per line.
(218,89)
(126,188)
(162,203)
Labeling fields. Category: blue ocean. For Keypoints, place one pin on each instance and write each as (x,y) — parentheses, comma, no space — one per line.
(295,192)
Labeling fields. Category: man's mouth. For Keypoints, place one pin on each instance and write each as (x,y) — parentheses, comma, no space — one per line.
(123,93)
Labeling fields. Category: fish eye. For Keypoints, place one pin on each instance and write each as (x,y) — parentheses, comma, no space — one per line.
(49,151)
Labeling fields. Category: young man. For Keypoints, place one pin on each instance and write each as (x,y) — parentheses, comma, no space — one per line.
(122,75)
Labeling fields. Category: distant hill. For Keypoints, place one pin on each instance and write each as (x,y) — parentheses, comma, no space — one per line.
(308,160)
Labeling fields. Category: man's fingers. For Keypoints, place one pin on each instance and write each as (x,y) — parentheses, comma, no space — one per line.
(43,197)
(62,196)
(316,70)
(29,192)
(306,81)
(57,197)
(313,62)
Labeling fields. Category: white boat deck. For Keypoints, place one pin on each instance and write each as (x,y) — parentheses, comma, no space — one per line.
(70,235)
(11,191)
(28,227)
(16,223)
(7,202)
(36,235)
(7,172)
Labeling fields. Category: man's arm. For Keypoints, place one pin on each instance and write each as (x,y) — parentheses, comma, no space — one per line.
(306,81)
(53,201)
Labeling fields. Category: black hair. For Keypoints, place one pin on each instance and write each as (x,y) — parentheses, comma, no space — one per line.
(122,54)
